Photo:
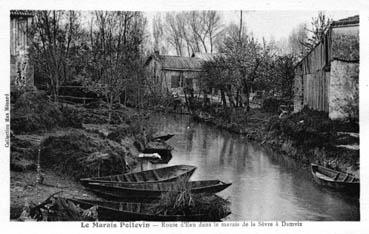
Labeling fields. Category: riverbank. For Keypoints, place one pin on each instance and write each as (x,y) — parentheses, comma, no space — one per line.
(308,136)
(69,142)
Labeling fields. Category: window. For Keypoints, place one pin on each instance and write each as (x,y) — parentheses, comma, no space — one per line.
(175,82)
(188,82)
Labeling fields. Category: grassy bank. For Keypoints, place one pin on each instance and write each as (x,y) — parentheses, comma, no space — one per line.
(308,136)
(75,141)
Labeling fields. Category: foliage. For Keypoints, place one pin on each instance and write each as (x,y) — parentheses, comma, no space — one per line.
(309,128)
(33,111)
(273,104)
(244,66)
(346,47)
(78,155)
(56,208)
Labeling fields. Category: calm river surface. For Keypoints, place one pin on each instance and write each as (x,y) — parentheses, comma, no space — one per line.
(264,186)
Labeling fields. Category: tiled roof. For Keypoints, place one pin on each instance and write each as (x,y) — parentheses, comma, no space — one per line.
(177,63)
(14,13)
(346,21)
(206,56)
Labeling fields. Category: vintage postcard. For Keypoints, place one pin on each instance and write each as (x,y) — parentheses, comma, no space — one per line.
(185,117)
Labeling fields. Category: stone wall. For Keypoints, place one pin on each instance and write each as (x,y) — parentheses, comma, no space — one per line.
(344,90)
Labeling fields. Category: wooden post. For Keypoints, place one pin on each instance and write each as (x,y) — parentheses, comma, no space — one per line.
(39,176)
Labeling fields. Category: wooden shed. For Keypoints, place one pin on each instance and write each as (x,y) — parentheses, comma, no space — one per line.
(171,74)
(327,78)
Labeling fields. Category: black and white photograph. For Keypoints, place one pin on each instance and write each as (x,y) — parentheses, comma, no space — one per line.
(184,115)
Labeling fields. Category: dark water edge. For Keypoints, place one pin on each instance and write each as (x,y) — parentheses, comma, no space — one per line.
(266,185)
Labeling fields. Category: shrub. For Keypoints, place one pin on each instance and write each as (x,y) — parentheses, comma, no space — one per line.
(311,128)
(273,104)
(182,202)
(33,111)
(79,155)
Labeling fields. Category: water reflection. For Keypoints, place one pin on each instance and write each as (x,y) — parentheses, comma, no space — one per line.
(265,185)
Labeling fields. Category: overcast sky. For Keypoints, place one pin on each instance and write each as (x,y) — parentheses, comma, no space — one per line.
(267,24)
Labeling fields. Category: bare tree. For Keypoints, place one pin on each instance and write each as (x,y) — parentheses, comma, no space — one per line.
(158,34)
(303,39)
(174,34)
(197,21)
(53,35)
(115,50)
(214,27)
(193,31)
(319,26)
(297,39)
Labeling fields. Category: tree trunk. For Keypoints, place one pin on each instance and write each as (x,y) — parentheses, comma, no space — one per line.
(110,107)
(230,98)
(205,102)
(247,96)
(238,98)
(224,100)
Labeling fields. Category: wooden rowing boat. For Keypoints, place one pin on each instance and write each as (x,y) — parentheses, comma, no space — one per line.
(127,211)
(335,179)
(162,138)
(164,174)
(149,191)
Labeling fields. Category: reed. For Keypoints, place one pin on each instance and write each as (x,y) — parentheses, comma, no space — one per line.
(182,202)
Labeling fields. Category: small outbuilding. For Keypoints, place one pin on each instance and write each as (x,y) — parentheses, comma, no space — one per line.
(171,74)
(327,79)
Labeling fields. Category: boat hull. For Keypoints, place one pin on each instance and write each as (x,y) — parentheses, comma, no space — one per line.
(119,211)
(325,177)
(152,191)
(163,138)
(164,174)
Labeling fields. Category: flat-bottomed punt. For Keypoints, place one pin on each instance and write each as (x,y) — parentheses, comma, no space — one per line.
(164,174)
(163,138)
(335,179)
(125,211)
(149,191)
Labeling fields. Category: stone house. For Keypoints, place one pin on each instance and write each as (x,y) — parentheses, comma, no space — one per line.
(171,74)
(21,70)
(327,79)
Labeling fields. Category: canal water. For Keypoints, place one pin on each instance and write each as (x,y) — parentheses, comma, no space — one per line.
(264,186)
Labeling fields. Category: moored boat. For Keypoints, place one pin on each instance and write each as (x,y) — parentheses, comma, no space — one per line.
(164,174)
(149,191)
(126,211)
(161,148)
(334,179)
(162,138)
